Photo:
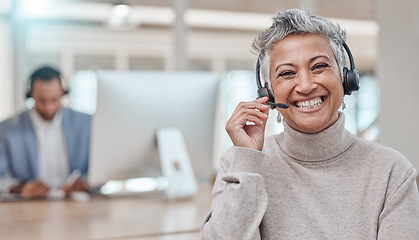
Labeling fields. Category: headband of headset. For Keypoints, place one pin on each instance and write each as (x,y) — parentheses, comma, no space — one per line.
(45,74)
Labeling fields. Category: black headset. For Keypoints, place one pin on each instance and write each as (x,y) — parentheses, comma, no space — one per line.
(46,74)
(350,81)
(350,77)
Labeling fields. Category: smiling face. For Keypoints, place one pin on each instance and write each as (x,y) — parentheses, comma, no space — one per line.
(305,75)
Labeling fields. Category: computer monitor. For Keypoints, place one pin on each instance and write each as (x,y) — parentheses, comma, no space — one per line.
(139,112)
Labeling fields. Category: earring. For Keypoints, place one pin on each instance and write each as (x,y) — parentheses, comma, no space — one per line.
(279,117)
(343,105)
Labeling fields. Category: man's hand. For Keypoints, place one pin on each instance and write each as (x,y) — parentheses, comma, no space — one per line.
(34,189)
(77,186)
(244,135)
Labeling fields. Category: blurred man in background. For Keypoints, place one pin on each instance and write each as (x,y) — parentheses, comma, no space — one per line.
(46,148)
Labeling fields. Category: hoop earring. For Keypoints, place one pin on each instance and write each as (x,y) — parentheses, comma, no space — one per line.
(279,117)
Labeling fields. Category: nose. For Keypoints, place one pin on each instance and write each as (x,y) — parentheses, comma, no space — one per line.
(305,83)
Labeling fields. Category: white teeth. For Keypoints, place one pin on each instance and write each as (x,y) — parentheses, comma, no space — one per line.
(309,104)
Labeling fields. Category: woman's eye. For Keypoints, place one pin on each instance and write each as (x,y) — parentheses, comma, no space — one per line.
(320,66)
(286,74)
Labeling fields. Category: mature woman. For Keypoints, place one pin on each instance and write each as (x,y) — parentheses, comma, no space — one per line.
(315,180)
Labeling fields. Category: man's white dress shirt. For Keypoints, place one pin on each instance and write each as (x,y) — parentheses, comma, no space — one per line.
(53,167)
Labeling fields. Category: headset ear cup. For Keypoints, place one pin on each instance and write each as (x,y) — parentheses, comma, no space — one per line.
(346,88)
(262,92)
(265,92)
(350,81)
(350,77)
(29,89)
(353,80)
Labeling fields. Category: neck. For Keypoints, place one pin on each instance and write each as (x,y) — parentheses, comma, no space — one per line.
(316,147)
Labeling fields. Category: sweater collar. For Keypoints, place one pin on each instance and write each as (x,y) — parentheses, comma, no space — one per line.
(316,147)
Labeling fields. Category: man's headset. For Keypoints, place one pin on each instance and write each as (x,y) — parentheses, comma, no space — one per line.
(45,74)
(350,81)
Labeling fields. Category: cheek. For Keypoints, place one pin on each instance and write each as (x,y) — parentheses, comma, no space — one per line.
(39,105)
(338,78)
(333,82)
(339,86)
(282,91)
(336,90)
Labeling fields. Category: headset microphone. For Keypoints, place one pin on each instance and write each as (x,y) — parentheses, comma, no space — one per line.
(277,105)
(266,92)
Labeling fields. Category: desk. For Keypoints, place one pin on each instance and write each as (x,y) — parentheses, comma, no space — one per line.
(106,218)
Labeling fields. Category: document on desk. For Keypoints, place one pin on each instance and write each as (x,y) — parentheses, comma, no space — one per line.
(53,194)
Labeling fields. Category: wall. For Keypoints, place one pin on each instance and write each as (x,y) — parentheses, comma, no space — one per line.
(6,81)
(397,72)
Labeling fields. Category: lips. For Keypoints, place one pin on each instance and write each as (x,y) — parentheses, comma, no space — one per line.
(310,104)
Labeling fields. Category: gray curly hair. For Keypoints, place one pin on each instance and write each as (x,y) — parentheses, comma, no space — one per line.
(297,21)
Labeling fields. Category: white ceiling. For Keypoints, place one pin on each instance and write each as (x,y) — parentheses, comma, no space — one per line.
(356,16)
(354,9)
(250,15)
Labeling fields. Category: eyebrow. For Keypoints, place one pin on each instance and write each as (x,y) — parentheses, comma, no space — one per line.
(310,61)
(319,56)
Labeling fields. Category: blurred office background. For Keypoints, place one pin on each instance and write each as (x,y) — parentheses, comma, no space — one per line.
(81,36)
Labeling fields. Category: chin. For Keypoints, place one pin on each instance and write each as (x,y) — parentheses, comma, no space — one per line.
(49,118)
(312,126)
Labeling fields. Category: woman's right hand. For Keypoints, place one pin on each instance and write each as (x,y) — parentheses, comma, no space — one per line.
(244,135)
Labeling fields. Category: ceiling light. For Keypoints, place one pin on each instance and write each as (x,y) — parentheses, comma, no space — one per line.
(120,16)
(121,10)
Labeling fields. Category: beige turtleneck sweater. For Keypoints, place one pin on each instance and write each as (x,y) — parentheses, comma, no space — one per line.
(328,185)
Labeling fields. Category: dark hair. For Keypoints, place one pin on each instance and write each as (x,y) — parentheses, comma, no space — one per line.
(45,74)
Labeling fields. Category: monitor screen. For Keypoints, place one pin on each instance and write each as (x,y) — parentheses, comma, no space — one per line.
(132,106)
